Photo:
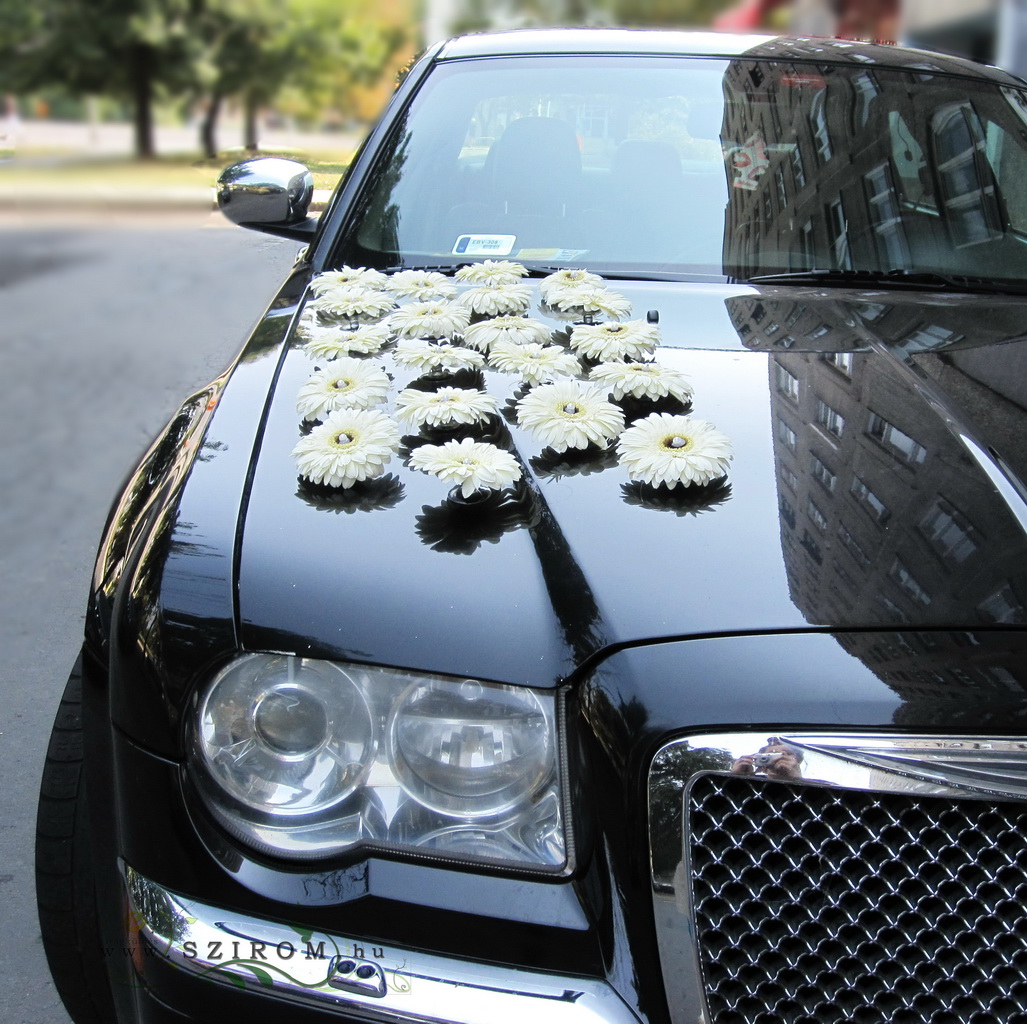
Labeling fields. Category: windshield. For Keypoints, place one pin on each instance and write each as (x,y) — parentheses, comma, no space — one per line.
(700,166)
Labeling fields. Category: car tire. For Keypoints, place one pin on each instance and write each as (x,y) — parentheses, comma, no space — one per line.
(65,883)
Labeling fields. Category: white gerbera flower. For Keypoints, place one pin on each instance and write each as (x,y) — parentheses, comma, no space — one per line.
(430,320)
(348,303)
(497,299)
(570,414)
(535,363)
(518,330)
(473,465)
(570,279)
(671,450)
(335,342)
(492,272)
(343,384)
(351,445)
(424,356)
(423,285)
(346,276)
(591,300)
(445,406)
(642,380)
(609,342)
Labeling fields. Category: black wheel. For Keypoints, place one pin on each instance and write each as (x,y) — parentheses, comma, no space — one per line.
(65,885)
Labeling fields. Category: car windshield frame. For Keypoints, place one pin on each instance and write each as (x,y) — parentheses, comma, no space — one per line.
(757,168)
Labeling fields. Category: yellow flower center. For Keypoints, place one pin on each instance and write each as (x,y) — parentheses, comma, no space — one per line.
(341,384)
(344,440)
(570,409)
(675,442)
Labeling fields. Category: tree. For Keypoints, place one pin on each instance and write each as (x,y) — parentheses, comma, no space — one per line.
(260,46)
(123,48)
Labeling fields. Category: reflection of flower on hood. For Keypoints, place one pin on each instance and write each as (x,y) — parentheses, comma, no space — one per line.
(352,303)
(535,363)
(473,465)
(642,380)
(424,356)
(569,281)
(422,285)
(351,445)
(333,342)
(671,450)
(608,342)
(569,414)
(593,299)
(492,272)
(518,330)
(443,407)
(347,277)
(430,320)
(342,384)
(497,299)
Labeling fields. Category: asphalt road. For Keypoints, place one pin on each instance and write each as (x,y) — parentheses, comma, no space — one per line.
(102,334)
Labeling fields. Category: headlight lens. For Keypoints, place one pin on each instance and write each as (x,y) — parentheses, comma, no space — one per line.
(303,758)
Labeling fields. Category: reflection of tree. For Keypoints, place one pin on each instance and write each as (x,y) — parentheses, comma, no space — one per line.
(365,496)
(682,501)
(671,770)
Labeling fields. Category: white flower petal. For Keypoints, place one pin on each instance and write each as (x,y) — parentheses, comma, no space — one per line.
(335,342)
(445,406)
(570,414)
(564,281)
(492,272)
(642,380)
(424,356)
(497,300)
(351,445)
(535,363)
(473,465)
(517,330)
(430,320)
(608,342)
(422,285)
(343,384)
(670,450)
(593,299)
(347,277)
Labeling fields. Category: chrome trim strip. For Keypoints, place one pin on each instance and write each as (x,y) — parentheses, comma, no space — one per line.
(337,972)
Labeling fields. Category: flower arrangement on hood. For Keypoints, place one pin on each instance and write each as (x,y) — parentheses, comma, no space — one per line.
(633,340)
(444,407)
(578,422)
(425,356)
(642,380)
(422,285)
(335,342)
(669,450)
(430,320)
(517,330)
(570,414)
(497,299)
(344,384)
(492,272)
(349,446)
(348,277)
(535,363)
(470,465)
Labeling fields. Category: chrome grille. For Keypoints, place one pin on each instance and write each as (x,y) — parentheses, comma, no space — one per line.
(814,904)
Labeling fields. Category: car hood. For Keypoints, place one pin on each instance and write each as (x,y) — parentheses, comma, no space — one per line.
(875,483)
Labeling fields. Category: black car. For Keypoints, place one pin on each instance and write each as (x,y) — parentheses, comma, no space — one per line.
(597,590)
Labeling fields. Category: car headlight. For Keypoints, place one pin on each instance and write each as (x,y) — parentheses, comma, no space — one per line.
(303,758)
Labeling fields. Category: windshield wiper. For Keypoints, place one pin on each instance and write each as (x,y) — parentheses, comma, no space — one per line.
(893,279)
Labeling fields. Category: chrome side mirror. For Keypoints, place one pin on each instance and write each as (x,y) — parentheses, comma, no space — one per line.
(268,194)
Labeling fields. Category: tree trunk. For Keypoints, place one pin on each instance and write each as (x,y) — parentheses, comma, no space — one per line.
(142,100)
(208,126)
(250,132)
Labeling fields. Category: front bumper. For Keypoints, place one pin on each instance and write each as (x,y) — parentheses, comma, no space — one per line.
(343,975)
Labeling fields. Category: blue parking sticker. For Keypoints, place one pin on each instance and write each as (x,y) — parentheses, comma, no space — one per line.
(484,245)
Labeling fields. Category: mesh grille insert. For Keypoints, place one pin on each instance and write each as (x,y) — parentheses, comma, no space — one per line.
(815,904)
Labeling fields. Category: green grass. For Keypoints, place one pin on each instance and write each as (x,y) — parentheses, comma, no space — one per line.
(41,169)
